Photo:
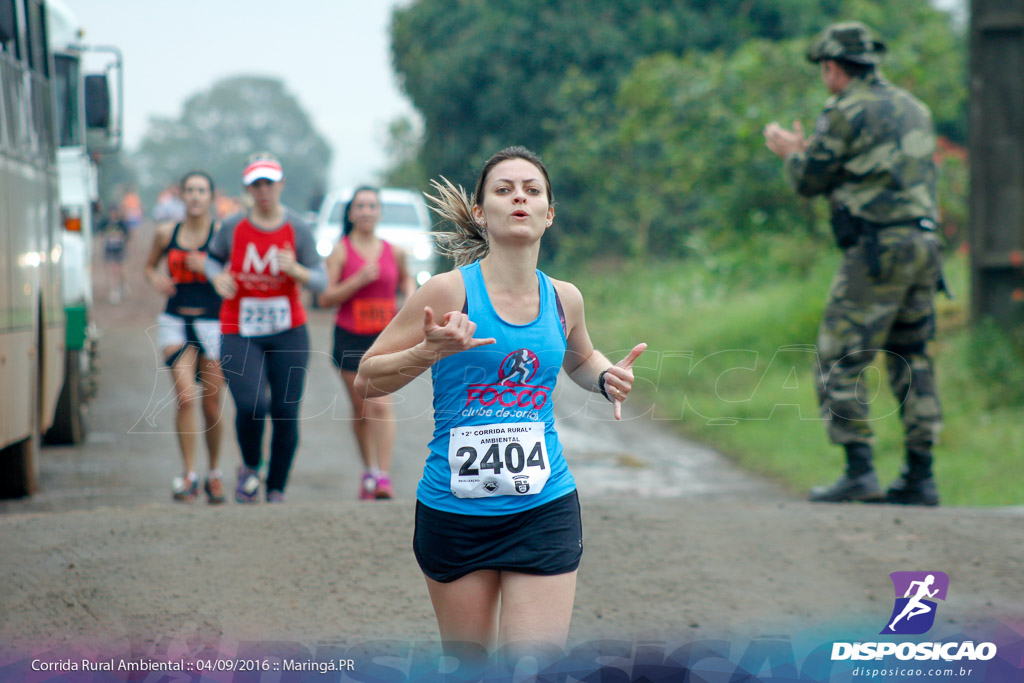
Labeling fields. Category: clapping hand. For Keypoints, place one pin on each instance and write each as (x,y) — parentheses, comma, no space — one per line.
(784,142)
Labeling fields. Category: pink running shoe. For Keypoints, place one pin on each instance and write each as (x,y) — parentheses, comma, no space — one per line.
(384,489)
(368,487)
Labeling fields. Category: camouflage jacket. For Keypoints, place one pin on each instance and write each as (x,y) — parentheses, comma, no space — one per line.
(871,151)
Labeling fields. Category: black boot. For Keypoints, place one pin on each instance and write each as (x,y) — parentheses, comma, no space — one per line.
(859,483)
(916,484)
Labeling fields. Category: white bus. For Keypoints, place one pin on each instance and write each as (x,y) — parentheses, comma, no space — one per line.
(88,125)
(33,332)
(31,308)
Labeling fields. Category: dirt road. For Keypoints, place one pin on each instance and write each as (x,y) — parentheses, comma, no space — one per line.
(680,546)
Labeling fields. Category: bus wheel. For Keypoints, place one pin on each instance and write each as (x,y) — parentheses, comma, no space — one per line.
(18,468)
(69,422)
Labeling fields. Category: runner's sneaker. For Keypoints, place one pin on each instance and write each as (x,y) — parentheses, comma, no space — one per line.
(248,485)
(275,496)
(183,489)
(368,487)
(384,489)
(214,488)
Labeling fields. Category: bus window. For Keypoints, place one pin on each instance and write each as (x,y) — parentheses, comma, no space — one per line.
(68,117)
(8,28)
(38,54)
(42,111)
(12,84)
(4,146)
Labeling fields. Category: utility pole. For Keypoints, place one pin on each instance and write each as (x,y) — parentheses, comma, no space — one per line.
(996,144)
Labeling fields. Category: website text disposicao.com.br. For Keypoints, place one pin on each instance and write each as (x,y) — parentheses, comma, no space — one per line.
(901,673)
(953,653)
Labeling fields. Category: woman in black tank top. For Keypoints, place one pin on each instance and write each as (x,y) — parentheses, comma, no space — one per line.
(188,333)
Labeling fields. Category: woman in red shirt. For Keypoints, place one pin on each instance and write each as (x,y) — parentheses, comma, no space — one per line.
(366,273)
(258,264)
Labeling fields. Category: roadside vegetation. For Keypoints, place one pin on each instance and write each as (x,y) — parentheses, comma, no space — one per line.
(731,360)
(677,223)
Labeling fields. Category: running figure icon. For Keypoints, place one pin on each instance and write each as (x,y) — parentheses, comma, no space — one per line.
(519,367)
(914,606)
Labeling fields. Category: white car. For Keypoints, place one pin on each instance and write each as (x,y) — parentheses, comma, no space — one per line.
(404,221)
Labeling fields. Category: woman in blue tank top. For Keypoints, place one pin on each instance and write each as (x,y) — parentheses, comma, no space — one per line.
(498,533)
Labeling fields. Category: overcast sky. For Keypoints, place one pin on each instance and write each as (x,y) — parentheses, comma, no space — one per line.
(333,56)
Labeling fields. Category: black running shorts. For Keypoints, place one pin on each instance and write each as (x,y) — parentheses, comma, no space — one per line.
(349,348)
(544,540)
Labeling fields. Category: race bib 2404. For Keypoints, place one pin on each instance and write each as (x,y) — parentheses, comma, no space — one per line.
(505,459)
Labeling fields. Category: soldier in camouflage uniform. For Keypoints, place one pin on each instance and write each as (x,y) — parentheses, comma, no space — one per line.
(871,154)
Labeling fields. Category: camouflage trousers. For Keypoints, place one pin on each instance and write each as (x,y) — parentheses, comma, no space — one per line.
(893,314)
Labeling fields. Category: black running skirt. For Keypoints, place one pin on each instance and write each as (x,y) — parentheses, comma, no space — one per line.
(349,348)
(544,540)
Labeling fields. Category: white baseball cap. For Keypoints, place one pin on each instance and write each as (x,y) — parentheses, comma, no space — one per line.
(267,169)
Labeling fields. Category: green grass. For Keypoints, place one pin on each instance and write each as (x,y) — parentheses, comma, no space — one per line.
(730,363)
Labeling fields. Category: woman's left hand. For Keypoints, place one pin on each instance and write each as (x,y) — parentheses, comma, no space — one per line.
(618,379)
(286,262)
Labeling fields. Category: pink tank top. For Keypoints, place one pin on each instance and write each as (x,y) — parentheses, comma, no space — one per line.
(371,308)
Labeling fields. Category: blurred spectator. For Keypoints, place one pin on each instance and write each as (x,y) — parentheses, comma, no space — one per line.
(115,247)
(169,206)
(131,210)
(226,206)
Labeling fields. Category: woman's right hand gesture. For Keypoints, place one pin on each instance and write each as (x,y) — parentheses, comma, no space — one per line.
(453,334)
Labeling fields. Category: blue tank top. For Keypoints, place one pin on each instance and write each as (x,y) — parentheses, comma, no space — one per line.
(494,426)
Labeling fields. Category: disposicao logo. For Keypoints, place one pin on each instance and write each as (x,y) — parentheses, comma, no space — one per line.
(914,610)
(913,613)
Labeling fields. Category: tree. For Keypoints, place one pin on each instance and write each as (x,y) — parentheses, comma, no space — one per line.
(405,165)
(221,127)
(485,75)
(679,151)
(649,114)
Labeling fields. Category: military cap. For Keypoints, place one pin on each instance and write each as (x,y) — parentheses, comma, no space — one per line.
(849,40)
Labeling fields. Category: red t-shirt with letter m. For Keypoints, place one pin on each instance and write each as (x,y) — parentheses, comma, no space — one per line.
(268,301)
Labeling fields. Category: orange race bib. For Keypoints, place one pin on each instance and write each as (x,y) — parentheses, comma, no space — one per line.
(370,316)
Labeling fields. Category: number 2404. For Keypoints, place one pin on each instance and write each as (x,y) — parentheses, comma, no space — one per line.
(515,458)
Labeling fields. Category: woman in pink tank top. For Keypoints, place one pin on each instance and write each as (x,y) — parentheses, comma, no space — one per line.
(364,274)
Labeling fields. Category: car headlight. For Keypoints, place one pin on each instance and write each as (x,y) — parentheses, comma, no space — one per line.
(324,248)
(423,251)
(422,277)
